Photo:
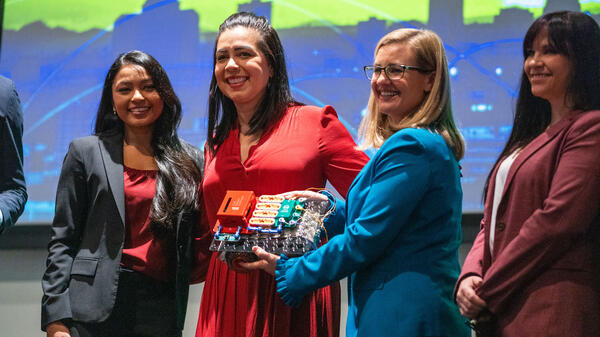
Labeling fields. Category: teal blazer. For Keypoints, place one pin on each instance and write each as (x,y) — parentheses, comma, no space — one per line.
(396,239)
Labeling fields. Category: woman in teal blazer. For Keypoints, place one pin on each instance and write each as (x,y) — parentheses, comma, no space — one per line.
(397,236)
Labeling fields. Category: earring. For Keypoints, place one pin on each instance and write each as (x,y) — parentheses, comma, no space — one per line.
(114,111)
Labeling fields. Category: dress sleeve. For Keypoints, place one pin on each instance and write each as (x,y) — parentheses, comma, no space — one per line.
(69,219)
(202,238)
(565,216)
(341,159)
(402,169)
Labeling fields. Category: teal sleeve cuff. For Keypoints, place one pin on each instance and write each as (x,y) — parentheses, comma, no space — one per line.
(283,288)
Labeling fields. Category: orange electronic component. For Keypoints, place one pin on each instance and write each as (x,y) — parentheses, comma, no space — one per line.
(270,198)
(263,213)
(235,210)
(268,206)
(262,221)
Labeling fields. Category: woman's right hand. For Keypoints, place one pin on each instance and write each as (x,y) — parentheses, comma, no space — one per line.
(469,303)
(57,329)
(311,195)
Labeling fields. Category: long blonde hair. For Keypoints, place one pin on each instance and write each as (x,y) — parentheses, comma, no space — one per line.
(434,112)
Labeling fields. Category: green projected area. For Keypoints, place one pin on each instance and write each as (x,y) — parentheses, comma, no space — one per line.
(294,13)
(78,16)
(484,11)
(73,15)
(212,13)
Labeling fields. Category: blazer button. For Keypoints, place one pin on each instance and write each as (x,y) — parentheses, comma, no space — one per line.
(500,226)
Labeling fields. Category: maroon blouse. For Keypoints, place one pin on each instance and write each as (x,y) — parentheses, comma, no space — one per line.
(142,252)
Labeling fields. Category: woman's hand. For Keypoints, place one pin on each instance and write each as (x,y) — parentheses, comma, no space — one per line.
(234,261)
(311,195)
(267,262)
(469,303)
(57,329)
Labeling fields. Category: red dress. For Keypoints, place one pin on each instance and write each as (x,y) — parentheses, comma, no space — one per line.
(307,147)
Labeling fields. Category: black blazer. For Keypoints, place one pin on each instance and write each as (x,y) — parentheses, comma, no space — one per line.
(13,194)
(88,231)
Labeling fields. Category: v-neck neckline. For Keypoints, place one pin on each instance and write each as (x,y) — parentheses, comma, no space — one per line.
(251,149)
(263,138)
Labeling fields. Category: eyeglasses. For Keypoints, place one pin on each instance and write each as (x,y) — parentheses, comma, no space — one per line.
(392,71)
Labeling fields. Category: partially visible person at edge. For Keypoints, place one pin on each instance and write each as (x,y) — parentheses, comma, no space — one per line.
(13,193)
(397,237)
(534,269)
(260,139)
(126,217)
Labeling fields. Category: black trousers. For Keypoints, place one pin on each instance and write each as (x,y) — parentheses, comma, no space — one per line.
(144,307)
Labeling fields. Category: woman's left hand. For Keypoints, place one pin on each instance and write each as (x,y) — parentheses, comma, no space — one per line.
(267,262)
(469,304)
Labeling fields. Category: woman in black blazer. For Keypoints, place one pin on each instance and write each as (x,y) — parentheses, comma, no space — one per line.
(126,222)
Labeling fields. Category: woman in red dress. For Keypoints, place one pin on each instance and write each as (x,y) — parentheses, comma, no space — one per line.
(260,139)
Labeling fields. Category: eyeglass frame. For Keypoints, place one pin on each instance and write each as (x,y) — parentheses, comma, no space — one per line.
(385,70)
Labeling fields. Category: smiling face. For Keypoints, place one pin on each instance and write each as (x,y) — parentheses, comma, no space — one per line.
(399,98)
(135,98)
(241,69)
(548,71)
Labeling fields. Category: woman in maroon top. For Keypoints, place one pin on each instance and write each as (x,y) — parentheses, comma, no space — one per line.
(261,139)
(533,269)
(119,260)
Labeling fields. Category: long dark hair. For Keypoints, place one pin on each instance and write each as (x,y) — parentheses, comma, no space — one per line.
(577,36)
(222,114)
(179,164)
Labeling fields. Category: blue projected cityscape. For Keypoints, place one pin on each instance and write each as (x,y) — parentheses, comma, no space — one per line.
(59,75)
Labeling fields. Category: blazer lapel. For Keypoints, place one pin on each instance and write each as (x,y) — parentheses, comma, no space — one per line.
(111,148)
(535,145)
